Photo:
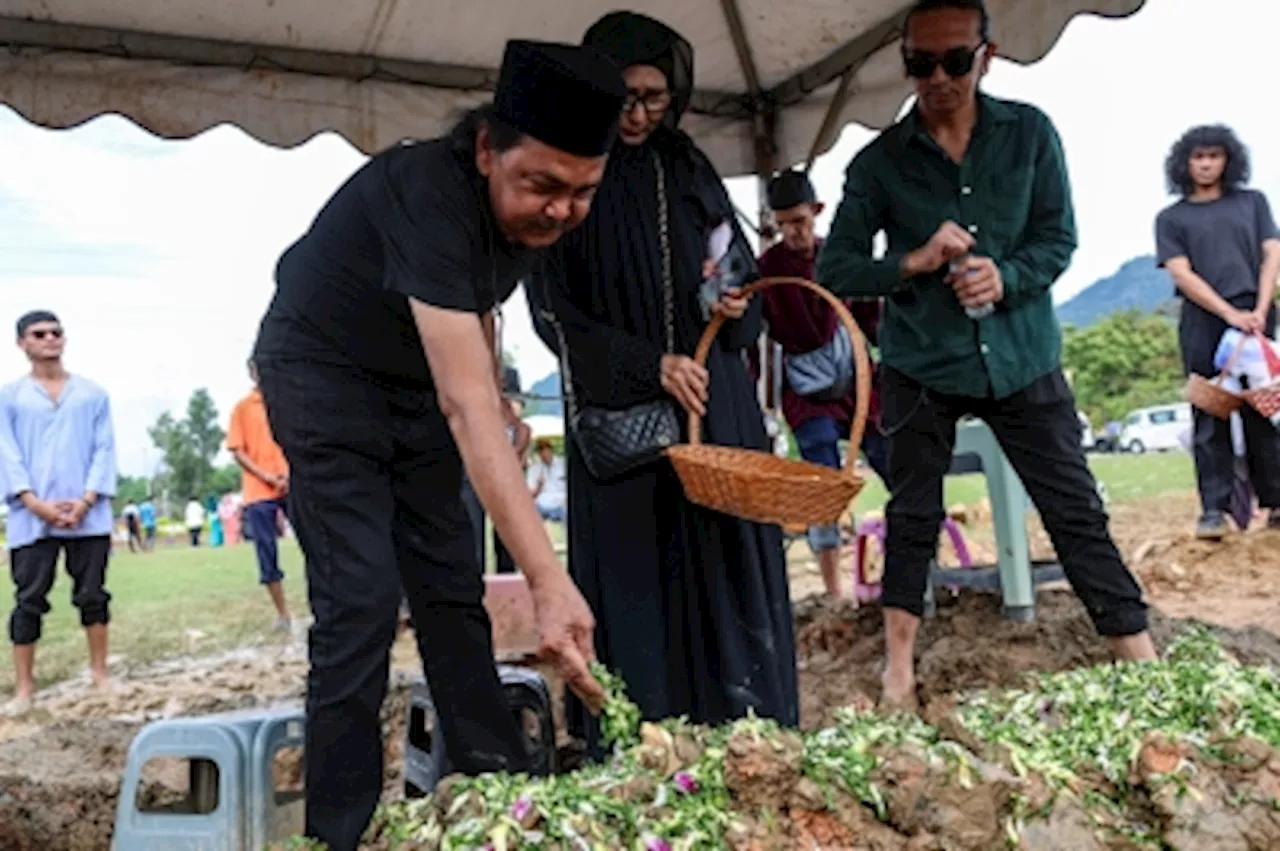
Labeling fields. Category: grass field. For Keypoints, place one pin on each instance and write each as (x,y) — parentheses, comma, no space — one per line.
(160,601)
(183,600)
(1127,477)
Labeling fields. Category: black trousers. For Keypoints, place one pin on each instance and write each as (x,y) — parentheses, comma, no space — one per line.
(34,567)
(135,535)
(1199,333)
(375,482)
(1039,432)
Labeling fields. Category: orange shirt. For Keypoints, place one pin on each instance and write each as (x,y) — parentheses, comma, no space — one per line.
(250,433)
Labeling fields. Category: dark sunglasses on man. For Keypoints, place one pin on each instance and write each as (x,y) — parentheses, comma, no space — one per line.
(956,62)
(41,333)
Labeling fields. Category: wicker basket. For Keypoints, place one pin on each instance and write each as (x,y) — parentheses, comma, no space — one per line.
(1265,400)
(759,486)
(1209,395)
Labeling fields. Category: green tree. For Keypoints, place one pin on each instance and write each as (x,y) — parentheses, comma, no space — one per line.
(188,447)
(226,479)
(1127,360)
(134,488)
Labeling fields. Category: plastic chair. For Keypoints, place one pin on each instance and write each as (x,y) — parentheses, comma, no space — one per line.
(232,804)
(1015,575)
(527,694)
(875,529)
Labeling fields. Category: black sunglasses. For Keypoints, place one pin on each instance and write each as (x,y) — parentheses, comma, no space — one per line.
(55,333)
(956,62)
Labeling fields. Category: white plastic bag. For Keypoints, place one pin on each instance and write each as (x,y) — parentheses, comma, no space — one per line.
(1251,365)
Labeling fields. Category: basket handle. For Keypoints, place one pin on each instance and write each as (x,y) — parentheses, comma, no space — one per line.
(861,362)
(1268,354)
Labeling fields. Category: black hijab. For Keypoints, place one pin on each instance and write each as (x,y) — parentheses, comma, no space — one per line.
(630,38)
(605,279)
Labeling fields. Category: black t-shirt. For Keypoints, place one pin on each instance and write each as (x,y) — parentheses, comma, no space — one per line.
(415,221)
(1222,239)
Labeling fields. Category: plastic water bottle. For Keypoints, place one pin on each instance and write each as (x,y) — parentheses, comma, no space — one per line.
(957,268)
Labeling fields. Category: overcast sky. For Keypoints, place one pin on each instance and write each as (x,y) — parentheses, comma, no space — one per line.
(159,255)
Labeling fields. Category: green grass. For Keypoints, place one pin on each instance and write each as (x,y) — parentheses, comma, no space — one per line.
(157,598)
(1127,477)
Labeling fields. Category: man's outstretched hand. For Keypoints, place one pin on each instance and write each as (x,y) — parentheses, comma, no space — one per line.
(566,630)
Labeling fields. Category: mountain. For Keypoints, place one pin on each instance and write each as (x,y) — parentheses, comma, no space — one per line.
(546,393)
(1138,284)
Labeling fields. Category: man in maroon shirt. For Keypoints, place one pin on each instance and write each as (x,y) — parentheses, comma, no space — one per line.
(801,322)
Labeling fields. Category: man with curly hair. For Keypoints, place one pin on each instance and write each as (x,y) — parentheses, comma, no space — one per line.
(1220,244)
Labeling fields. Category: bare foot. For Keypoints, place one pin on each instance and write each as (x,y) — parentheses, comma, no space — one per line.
(101,682)
(1134,648)
(20,705)
(898,693)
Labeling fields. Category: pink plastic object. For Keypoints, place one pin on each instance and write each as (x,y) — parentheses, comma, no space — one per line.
(874,527)
(510,607)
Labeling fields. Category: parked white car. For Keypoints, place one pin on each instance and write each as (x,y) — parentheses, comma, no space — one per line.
(1155,429)
(1087,440)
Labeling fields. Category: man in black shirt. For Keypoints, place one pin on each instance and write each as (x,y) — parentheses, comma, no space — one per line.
(1221,245)
(377,362)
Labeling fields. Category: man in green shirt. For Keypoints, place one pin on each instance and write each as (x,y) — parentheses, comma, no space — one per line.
(973,197)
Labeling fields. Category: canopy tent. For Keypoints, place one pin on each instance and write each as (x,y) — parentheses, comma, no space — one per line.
(546,425)
(776,79)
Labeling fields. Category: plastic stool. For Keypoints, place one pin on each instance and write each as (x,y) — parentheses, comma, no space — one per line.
(232,804)
(527,694)
(874,528)
(1014,574)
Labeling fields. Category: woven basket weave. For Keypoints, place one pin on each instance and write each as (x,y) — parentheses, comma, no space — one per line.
(760,486)
(1209,395)
(1265,400)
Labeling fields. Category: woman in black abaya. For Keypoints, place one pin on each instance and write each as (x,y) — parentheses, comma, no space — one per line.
(692,606)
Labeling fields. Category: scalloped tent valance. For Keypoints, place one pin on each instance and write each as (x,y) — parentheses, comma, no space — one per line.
(777,79)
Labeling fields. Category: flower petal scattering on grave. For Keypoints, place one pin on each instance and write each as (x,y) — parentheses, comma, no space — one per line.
(1127,755)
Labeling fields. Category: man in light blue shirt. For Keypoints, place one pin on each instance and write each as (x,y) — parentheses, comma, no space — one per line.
(58,473)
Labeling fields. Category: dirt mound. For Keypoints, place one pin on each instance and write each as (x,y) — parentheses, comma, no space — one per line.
(968,646)
(58,786)
(60,770)
(1179,754)
(1234,582)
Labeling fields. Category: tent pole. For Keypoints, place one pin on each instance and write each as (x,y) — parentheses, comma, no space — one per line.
(831,120)
(766,156)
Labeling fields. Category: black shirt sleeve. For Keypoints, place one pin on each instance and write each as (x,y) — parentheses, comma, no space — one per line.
(424,209)
(1266,223)
(1169,239)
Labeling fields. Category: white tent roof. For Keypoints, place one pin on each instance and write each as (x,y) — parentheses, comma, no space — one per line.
(378,71)
(545,425)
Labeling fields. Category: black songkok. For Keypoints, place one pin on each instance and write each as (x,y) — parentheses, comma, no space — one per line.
(791,189)
(565,96)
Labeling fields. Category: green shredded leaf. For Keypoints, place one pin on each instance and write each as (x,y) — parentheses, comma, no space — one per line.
(620,717)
